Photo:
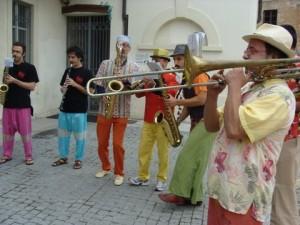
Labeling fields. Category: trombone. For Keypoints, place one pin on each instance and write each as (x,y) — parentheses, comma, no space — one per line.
(264,69)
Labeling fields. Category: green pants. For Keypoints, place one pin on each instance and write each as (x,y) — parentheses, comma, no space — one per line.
(191,165)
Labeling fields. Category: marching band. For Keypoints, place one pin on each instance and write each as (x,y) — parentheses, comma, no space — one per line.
(243,146)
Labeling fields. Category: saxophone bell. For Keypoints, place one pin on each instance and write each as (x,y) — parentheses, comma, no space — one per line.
(3,88)
(8,63)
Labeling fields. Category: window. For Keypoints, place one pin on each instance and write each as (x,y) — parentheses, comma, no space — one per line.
(21,28)
(270,16)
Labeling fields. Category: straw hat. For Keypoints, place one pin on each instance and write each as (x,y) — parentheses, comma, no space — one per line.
(274,35)
(160,53)
(179,50)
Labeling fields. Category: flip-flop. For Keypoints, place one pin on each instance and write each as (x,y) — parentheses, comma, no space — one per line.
(77,164)
(4,160)
(59,162)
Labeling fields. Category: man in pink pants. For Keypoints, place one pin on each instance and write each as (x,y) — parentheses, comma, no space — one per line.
(17,109)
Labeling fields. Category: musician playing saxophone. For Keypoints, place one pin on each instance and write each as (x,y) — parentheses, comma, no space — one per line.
(120,113)
(72,117)
(17,111)
(186,185)
(152,132)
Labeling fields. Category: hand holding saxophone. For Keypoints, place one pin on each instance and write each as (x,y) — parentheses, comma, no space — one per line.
(8,79)
(170,101)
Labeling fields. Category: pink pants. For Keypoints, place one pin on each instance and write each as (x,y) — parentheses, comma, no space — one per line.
(16,120)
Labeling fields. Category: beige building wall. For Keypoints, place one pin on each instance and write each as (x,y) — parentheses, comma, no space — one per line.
(152,24)
(48,50)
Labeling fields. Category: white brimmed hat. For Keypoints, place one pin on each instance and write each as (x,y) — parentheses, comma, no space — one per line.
(274,35)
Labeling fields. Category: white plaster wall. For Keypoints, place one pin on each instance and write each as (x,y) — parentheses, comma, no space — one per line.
(155,23)
(5,34)
(48,53)
(166,23)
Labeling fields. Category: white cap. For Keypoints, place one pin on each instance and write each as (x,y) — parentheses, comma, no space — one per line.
(123,38)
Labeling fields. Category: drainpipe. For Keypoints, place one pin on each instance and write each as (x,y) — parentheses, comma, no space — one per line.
(259,11)
(124,17)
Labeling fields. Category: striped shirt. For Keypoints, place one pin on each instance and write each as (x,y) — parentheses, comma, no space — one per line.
(122,104)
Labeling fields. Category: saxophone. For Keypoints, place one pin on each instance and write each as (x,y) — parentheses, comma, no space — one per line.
(114,85)
(168,121)
(8,62)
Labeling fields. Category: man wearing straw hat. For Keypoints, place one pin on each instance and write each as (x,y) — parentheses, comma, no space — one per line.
(251,129)
(152,132)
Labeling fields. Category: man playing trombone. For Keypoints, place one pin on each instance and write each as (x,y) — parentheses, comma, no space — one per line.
(251,129)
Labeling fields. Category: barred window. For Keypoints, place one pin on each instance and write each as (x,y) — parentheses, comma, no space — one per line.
(270,16)
(21,29)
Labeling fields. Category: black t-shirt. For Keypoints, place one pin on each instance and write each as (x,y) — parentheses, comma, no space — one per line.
(18,97)
(74,101)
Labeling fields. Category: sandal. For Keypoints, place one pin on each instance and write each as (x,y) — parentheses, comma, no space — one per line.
(60,162)
(4,159)
(28,162)
(77,164)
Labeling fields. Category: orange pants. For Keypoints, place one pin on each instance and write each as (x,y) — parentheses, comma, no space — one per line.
(217,215)
(103,132)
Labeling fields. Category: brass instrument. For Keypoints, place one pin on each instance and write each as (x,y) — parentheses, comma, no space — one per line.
(114,86)
(8,62)
(265,69)
(61,106)
(167,119)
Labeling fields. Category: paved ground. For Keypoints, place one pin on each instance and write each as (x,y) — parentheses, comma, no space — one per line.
(44,195)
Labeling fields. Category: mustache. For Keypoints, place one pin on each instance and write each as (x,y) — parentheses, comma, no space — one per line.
(177,67)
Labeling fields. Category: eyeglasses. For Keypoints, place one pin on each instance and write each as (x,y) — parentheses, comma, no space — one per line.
(253,50)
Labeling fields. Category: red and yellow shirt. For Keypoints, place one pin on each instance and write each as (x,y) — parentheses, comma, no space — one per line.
(155,101)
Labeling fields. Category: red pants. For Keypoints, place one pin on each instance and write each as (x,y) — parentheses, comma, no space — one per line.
(217,215)
(103,132)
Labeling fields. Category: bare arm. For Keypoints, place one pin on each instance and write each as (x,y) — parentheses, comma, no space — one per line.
(232,123)
(211,115)
(183,115)
(190,102)
(194,101)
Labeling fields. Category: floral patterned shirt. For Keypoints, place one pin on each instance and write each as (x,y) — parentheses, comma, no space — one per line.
(241,172)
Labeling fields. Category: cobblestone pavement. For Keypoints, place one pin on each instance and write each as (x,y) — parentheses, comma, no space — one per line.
(44,195)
